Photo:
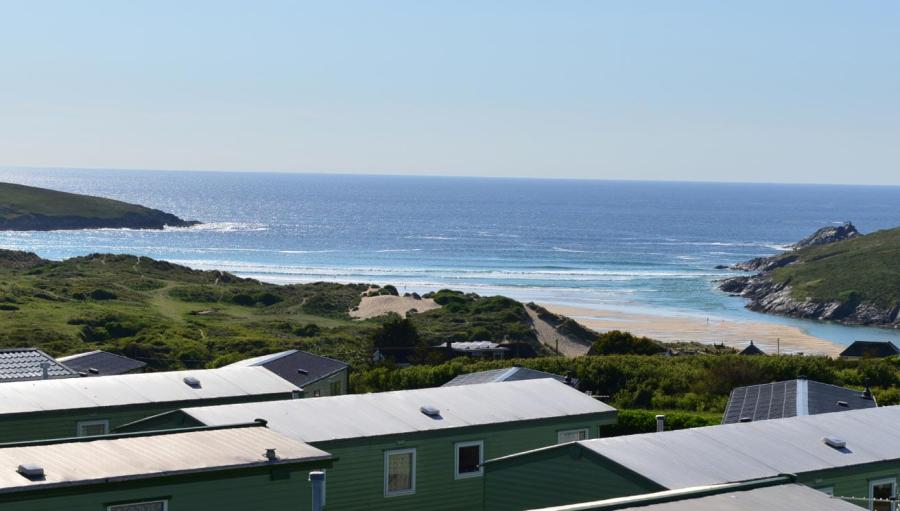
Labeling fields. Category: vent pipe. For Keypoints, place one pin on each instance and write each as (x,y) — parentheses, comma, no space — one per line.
(867,394)
(45,370)
(317,479)
(660,423)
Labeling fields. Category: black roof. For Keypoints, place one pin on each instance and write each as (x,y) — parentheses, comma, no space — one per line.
(870,349)
(791,398)
(19,364)
(101,363)
(752,349)
(298,367)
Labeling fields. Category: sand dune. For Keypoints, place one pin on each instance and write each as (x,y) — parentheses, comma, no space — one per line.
(372,306)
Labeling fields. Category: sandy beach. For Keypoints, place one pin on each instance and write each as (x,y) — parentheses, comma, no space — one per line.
(686,328)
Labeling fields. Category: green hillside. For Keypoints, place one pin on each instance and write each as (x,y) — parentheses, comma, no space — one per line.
(174,317)
(30,208)
(865,269)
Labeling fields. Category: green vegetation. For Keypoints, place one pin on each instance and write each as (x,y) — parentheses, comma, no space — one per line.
(865,269)
(174,317)
(616,342)
(29,208)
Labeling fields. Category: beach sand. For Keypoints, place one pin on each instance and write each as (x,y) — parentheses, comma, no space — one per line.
(373,306)
(687,328)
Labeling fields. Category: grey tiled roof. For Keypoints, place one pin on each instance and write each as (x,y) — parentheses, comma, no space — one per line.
(101,363)
(21,364)
(789,399)
(298,367)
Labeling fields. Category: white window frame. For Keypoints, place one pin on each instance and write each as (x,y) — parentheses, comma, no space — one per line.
(877,482)
(456,447)
(165,503)
(560,433)
(387,457)
(81,424)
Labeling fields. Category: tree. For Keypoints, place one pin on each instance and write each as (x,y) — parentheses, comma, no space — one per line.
(396,332)
(616,342)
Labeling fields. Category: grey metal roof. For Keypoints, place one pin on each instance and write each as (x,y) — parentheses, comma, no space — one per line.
(505,374)
(791,398)
(21,364)
(786,497)
(740,452)
(130,389)
(387,413)
(116,459)
(476,346)
(101,363)
(298,367)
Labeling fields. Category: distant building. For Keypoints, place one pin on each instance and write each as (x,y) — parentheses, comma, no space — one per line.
(227,469)
(792,398)
(317,375)
(752,349)
(69,407)
(22,364)
(870,349)
(101,363)
(476,349)
(415,449)
(849,454)
(515,373)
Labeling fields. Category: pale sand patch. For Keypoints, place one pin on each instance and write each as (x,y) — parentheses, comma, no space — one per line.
(686,328)
(372,306)
(549,336)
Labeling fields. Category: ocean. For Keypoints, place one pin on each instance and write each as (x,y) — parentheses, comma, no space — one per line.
(631,246)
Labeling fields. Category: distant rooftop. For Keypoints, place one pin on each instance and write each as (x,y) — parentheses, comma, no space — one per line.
(387,413)
(101,363)
(875,349)
(476,346)
(752,349)
(131,389)
(22,364)
(515,373)
(138,457)
(298,367)
(791,398)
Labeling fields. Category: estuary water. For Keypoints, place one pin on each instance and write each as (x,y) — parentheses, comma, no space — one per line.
(646,247)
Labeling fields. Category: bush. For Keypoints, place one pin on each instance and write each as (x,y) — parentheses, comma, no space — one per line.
(616,342)
(644,421)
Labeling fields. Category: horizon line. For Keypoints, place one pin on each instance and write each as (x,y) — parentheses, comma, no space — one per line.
(444,176)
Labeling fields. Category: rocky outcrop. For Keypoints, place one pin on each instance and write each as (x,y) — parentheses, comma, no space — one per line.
(154,219)
(765,294)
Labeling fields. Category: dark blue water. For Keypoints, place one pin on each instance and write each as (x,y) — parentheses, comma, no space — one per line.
(630,245)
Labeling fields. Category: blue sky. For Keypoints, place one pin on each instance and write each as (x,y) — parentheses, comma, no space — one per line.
(760,91)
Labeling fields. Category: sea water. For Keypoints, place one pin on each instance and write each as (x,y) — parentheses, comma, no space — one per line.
(632,246)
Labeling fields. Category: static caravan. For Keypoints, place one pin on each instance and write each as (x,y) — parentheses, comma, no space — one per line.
(416,449)
(234,469)
(853,454)
(71,407)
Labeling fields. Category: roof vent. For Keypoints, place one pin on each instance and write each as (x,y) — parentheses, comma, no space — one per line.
(745,419)
(304,372)
(430,411)
(270,455)
(833,441)
(842,403)
(31,472)
(192,382)
(93,370)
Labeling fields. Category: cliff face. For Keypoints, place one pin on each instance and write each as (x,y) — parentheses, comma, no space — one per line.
(26,208)
(769,291)
(35,222)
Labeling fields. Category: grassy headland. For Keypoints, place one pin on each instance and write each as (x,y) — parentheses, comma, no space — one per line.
(29,208)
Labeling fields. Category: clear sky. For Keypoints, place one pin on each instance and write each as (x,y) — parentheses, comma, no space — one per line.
(797,91)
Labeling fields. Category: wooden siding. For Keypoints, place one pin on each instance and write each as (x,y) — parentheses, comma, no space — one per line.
(62,424)
(553,477)
(323,386)
(357,479)
(258,489)
(852,481)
